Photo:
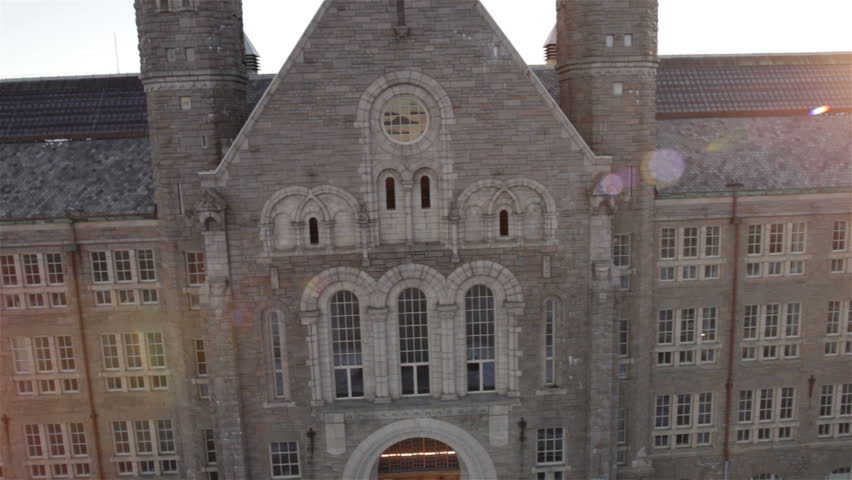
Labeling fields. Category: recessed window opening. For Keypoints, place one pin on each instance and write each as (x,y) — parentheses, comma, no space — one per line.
(425,193)
(628,40)
(610,40)
(504,223)
(480,338)
(390,194)
(413,342)
(164,4)
(313,231)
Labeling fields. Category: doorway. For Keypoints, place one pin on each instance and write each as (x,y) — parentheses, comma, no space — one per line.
(419,459)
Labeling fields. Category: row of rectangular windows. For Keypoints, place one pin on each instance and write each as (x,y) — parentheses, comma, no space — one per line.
(773,239)
(761,323)
(107,266)
(705,242)
(51,361)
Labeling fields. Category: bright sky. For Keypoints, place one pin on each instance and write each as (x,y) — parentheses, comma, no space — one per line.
(79,37)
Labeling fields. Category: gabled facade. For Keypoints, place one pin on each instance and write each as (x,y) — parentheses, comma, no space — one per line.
(410,255)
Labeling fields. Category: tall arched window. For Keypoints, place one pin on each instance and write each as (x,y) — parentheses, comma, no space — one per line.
(549,340)
(425,192)
(276,350)
(480,339)
(390,194)
(313,231)
(346,345)
(413,342)
(504,223)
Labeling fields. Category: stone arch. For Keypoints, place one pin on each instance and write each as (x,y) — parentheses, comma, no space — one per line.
(483,268)
(320,283)
(275,199)
(513,189)
(504,197)
(431,282)
(389,80)
(475,462)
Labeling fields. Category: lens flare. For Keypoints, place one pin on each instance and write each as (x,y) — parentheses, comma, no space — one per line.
(612,184)
(819,110)
(663,167)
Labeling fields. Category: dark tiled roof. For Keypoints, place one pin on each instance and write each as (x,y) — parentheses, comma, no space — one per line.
(761,153)
(111,174)
(74,107)
(109,177)
(111,106)
(686,90)
(743,85)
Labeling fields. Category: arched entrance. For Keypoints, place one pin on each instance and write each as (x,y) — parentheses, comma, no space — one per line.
(419,459)
(474,463)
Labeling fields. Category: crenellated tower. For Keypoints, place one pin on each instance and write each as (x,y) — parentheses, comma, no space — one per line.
(195,79)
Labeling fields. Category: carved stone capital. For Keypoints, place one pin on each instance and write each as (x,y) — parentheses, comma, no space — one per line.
(309,317)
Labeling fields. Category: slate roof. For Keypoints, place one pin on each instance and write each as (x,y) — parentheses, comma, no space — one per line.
(761,153)
(732,85)
(94,178)
(736,118)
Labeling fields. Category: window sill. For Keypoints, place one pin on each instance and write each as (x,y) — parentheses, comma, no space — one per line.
(543,392)
(273,405)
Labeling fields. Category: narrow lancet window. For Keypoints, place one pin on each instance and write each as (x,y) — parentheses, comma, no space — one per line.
(425,193)
(390,194)
(504,223)
(313,231)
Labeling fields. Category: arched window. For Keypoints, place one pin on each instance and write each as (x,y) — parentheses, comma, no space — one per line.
(346,345)
(390,194)
(549,341)
(413,342)
(425,192)
(480,339)
(313,231)
(504,223)
(276,349)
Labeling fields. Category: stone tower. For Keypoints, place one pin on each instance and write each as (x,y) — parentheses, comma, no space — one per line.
(607,66)
(194,75)
(195,80)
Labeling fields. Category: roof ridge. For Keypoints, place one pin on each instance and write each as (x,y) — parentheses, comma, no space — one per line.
(69,77)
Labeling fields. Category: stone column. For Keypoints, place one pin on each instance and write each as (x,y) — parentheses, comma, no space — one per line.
(378,319)
(602,327)
(407,193)
(514,310)
(447,316)
(309,319)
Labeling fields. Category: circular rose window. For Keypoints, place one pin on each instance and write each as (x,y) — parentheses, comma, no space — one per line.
(405,118)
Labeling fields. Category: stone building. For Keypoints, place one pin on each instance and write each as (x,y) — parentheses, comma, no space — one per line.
(409,255)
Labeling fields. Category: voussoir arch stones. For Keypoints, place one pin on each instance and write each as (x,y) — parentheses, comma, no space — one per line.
(476,464)
(484,268)
(430,281)
(318,284)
